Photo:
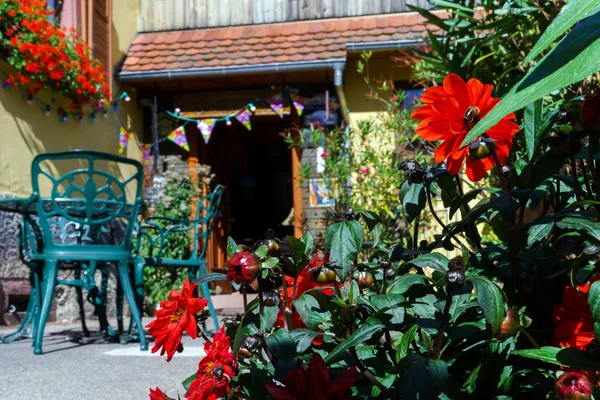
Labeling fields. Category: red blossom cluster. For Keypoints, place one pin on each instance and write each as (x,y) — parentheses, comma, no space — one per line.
(47,56)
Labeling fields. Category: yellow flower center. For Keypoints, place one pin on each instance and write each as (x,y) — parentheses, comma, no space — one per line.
(177,315)
(209,368)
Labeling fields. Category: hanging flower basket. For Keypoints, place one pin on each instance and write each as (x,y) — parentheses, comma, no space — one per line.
(48,57)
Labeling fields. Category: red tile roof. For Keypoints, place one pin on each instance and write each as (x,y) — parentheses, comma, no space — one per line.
(325,40)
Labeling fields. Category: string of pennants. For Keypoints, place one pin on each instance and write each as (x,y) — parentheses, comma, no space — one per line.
(206,126)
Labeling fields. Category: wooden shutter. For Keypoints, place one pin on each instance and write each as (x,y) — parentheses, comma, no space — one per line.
(101,34)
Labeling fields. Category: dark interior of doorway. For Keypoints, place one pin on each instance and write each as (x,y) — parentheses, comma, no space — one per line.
(256,168)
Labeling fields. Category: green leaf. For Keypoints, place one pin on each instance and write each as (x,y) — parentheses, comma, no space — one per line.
(594,300)
(210,277)
(309,242)
(573,11)
(297,248)
(262,251)
(268,318)
(436,261)
(390,302)
(311,312)
(405,341)
(532,122)
(282,345)
(490,299)
(574,58)
(423,378)
(538,231)
(344,239)
(449,189)
(413,199)
(404,282)
(353,293)
(232,247)
(451,5)
(270,262)
(581,223)
(376,234)
(188,382)
(361,335)
(303,338)
(564,357)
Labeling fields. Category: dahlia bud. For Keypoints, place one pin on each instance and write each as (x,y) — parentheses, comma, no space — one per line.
(271,298)
(385,263)
(456,271)
(232,322)
(244,267)
(249,346)
(413,171)
(510,325)
(364,279)
(349,214)
(273,247)
(481,148)
(423,245)
(324,275)
(573,386)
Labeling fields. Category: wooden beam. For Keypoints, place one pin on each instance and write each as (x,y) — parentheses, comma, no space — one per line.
(297,191)
(260,112)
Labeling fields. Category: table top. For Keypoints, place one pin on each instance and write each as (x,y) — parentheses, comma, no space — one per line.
(28,205)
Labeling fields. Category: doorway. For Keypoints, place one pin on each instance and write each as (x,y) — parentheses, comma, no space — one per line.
(256,168)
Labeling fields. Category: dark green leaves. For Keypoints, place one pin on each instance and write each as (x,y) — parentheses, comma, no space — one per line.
(362,334)
(490,299)
(413,199)
(581,223)
(574,58)
(188,382)
(564,357)
(572,12)
(423,378)
(344,239)
(594,300)
(532,125)
(436,261)
(232,247)
(311,312)
(538,231)
(282,345)
(304,338)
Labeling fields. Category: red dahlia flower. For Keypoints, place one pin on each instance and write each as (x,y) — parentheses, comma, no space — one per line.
(450,112)
(243,267)
(314,383)
(214,371)
(573,318)
(175,316)
(158,394)
(590,111)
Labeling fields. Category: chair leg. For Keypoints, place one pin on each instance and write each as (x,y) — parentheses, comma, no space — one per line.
(129,295)
(37,286)
(138,283)
(119,301)
(48,286)
(79,298)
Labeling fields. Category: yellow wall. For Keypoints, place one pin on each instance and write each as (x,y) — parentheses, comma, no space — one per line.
(25,131)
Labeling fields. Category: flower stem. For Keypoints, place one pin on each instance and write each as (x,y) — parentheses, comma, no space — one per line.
(531,339)
(260,296)
(500,174)
(439,338)
(245,298)
(586,179)
(575,180)
(439,221)
(416,232)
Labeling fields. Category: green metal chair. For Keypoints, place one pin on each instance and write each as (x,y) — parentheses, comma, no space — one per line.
(95,202)
(158,229)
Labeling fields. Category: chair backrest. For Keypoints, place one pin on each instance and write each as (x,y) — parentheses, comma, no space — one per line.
(207,209)
(86,195)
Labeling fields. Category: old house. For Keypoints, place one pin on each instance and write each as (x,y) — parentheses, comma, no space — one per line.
(241,67)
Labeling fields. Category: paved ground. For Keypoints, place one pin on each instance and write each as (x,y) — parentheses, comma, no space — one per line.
(76,367)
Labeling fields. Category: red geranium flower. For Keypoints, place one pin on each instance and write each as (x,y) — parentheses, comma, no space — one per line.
(243,267)
(158,394)
(314,383)
(214,371)
(573,318)
(175,316)
(450,112)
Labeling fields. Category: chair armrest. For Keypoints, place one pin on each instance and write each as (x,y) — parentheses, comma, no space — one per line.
(30,238)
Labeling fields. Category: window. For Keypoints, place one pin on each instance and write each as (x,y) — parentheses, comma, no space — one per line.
(91,19)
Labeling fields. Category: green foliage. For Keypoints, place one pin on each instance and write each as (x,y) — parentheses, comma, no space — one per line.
(175,202)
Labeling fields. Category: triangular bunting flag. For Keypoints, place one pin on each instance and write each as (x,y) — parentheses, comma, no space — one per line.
(299,102)
(123,140)
(178,137)
(276,103)
(244,118)
(333,105)
(146,148)
(206,126)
